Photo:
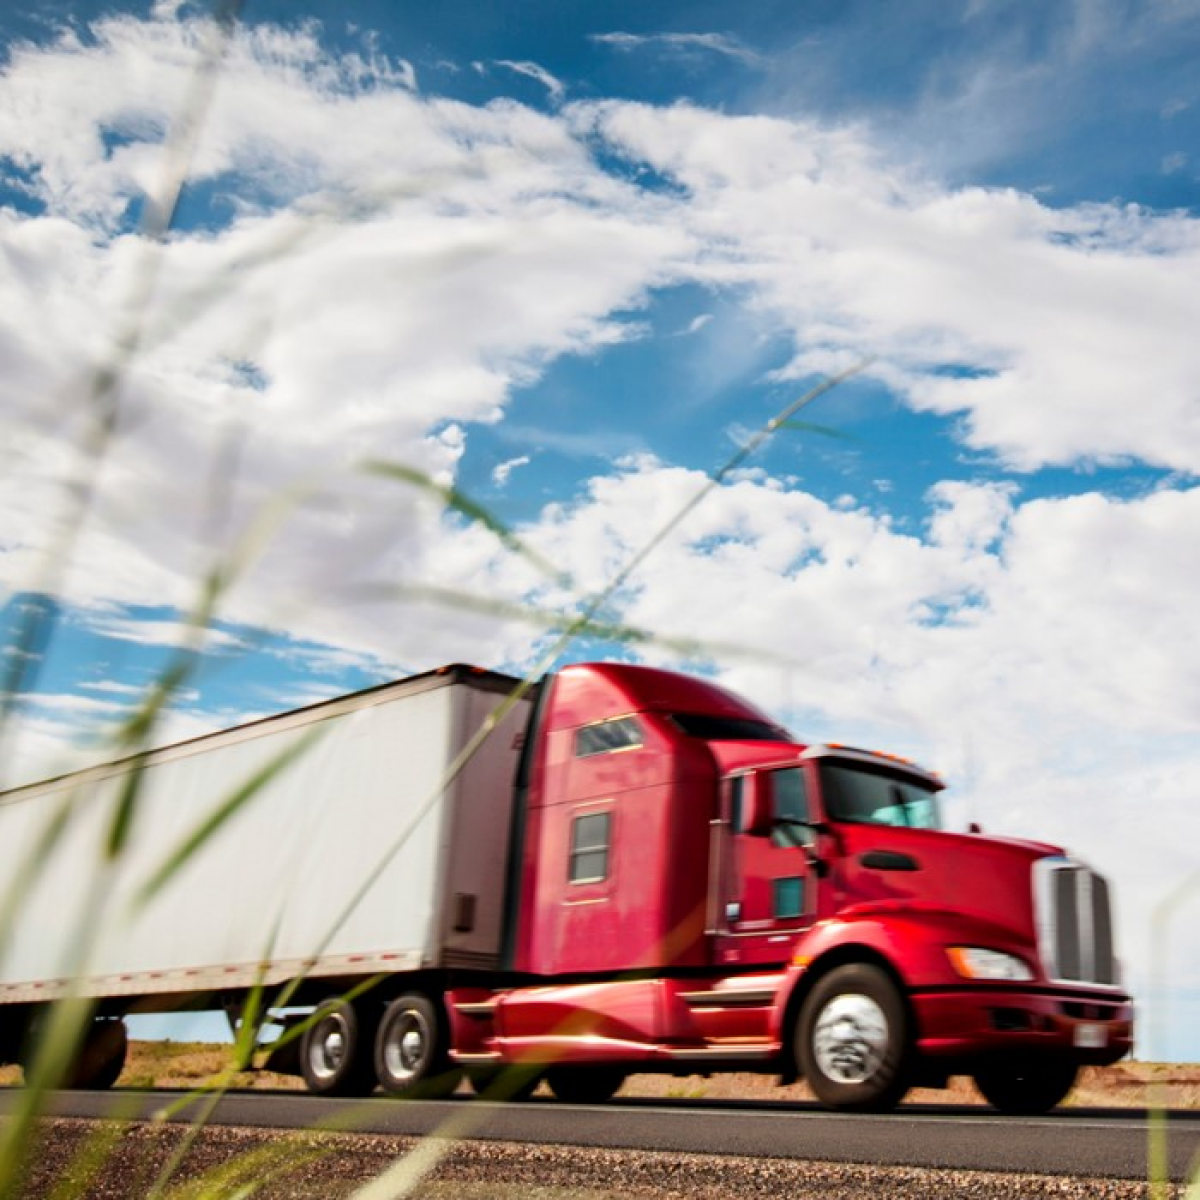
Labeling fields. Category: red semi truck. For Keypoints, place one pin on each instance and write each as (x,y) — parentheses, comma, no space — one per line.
(635,871)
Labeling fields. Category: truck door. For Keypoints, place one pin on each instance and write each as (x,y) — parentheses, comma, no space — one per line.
(764,893)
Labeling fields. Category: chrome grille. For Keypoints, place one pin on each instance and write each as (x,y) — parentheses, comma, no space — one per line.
(1074,920)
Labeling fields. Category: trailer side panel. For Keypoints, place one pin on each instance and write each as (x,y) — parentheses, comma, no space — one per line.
(342,862)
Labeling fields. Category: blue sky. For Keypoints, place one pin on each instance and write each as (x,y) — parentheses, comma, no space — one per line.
(568,258)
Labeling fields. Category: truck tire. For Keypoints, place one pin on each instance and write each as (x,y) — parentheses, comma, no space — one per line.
(585,1085)
(852,1040)
(1026,1087)
(335,1051)
(411,1050)
(101,1058)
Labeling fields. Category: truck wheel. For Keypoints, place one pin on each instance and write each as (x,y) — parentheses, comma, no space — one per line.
(335,1055)
(1026,1087)
(585,1085)
(852,1040)
(410,1050)
(102,1057)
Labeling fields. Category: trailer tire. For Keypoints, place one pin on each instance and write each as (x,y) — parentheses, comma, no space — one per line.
(585,1085)
(101,1058)
(335,1050)
(852,1040)
(1026,1087)
(411,1056)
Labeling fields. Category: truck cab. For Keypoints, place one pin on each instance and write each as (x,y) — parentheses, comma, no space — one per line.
(697,890)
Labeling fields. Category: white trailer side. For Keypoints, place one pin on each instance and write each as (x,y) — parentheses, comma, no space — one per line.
(357,856)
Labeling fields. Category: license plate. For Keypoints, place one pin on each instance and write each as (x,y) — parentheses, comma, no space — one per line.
(1091,1037)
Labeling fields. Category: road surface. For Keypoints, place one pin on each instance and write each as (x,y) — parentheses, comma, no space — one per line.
(1075,1142)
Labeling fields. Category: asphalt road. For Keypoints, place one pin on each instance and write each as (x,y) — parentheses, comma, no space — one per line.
(1075,1142)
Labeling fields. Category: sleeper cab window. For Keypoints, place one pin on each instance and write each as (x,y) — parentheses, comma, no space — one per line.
(623,733)
(591,835)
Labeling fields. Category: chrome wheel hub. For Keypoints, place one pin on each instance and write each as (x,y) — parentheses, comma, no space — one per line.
(850,1039)
(329,1048)
(406,1047)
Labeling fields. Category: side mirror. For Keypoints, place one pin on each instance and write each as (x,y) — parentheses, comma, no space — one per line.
(755,815)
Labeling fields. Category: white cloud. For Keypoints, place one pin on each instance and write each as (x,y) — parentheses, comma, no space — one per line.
(112,687)
(423,279)
(325,659)
(683,44)
(164,633)
(1060,334)
(51,733)
(385,294)
(56,733)
(132,692)
(1007,621)
(538,74)
(969,517)
(502,472)
(70,703)
(989,90)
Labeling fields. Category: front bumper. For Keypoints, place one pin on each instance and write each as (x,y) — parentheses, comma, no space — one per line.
(1088,1028)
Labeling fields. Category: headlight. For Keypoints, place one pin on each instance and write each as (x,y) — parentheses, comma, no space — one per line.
(974,962)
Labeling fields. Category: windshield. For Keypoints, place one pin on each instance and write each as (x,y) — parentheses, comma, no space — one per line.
(863,796)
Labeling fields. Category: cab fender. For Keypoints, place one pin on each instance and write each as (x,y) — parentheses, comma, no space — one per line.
(910,946)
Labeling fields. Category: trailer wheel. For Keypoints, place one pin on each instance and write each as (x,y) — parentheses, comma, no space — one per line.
(335,1054)
(101,1058)
(852,1040)
(410,1050)
(585,1085)
(1026,1087)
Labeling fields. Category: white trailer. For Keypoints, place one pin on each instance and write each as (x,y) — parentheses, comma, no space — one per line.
(362,851)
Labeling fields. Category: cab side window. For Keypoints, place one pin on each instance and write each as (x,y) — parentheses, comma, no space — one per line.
(624,733)
(790,806)
(591,836)
(790,795)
